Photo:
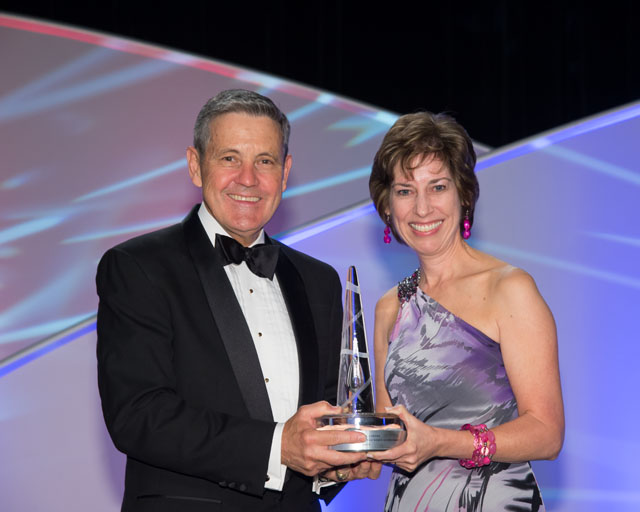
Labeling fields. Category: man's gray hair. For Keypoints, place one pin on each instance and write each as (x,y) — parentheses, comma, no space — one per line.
(237,101)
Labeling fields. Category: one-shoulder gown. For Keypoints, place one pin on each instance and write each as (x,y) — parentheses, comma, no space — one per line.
(448,373)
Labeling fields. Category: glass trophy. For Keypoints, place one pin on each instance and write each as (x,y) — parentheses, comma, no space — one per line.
(355,389)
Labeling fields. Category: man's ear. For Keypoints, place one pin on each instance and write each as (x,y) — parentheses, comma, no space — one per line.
(193,163)
(285,171)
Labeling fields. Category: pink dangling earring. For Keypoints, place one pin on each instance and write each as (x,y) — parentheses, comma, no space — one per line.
(387,229)
(466,225)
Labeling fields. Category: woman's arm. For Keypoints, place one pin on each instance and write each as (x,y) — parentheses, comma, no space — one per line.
(529,346)
(386,313)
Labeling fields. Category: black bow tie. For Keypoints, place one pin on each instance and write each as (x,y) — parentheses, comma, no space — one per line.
(261,259)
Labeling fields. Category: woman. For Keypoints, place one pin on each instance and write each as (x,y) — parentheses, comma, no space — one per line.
(469,344)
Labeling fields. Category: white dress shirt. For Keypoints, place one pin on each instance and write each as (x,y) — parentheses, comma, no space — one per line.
(268,319)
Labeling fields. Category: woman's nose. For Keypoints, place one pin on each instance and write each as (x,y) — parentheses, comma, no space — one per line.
(423,204)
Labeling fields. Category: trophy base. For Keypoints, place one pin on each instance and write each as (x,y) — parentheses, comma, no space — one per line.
(383,430)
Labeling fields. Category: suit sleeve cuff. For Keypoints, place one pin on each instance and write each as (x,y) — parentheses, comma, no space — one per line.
(276,470)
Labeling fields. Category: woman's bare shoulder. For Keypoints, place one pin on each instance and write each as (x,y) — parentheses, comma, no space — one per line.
(511,282)
(503,277)
(503,282)
(516,297)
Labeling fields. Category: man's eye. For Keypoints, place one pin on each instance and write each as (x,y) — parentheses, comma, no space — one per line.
(229,161)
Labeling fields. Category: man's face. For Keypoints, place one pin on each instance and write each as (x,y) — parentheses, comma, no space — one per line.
(242,174)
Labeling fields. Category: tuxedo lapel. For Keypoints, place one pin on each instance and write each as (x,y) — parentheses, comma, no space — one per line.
(295,297)
(229,319)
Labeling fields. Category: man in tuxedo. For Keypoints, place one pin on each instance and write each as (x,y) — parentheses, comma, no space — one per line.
(217,346)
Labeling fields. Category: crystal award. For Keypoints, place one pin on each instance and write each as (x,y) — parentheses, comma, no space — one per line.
(355,389)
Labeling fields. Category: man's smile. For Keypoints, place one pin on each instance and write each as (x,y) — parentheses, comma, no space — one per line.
(249,199)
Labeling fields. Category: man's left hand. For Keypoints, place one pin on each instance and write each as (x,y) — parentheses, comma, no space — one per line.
(364,469)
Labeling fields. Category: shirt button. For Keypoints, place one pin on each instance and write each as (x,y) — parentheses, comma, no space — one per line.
(259,335)
(250,290)
(266,380)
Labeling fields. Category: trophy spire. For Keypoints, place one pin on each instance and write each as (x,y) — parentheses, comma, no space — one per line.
(355,392)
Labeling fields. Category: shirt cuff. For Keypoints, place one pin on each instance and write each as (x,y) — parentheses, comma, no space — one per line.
(276,470)
(318,484)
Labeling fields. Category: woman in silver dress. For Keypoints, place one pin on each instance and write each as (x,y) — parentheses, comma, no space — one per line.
(465,348)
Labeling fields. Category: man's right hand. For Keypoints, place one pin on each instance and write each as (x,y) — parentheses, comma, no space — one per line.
(306,450)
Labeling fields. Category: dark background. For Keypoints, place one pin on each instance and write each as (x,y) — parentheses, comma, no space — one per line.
(505,69)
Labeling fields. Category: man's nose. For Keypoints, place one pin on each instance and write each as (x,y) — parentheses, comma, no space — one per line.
(247,175)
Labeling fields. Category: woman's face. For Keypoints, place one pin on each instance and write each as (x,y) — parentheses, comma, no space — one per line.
(425,207)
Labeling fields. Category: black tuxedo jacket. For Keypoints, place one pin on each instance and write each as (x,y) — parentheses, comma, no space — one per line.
(182,391)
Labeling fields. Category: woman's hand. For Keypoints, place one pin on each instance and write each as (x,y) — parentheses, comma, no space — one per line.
(421,443)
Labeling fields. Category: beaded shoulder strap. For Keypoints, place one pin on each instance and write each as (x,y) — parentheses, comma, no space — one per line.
(408,286)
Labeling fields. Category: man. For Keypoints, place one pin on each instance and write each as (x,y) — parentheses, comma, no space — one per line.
(204,355)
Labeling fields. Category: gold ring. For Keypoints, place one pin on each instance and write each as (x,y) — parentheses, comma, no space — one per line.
(341,476)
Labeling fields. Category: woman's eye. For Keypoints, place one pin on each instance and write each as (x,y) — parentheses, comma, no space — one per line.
(439,188)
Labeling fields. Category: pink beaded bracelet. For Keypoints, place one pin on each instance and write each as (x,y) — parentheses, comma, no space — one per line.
(484,443)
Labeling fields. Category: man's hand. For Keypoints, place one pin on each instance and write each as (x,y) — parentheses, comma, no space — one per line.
(306,450)
(364,469)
